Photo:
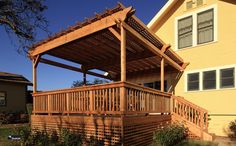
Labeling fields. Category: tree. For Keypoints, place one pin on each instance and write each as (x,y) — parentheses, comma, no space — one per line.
(79,83)
(21,19)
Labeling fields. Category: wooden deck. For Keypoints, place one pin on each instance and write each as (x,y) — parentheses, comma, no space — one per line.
(103,113)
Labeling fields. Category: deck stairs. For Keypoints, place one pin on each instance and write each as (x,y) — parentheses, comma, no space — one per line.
(195,118)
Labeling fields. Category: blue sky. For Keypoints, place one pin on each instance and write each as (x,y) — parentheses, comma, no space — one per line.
(61,14)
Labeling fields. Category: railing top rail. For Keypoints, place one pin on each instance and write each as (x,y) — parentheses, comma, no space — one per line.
(82,88)
(139,87)
(190,103)
(104,86)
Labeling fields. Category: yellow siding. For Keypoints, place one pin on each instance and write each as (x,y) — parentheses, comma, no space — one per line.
(215,54)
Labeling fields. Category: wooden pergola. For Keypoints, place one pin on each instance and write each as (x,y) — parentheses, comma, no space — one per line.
(115,41)
(118,43)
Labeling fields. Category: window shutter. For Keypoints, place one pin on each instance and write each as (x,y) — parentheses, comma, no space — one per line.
(205,26)
(185,27)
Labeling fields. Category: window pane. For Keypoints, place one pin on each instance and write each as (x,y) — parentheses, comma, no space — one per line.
(227,78)
(185,32)
(209,80)
(205,26)
(193,81)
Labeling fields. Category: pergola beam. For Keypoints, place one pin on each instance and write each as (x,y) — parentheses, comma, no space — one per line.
(151,47)
(82,32)
(53,63)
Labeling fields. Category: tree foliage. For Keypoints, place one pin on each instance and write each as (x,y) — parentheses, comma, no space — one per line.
(21,19)
(79,83)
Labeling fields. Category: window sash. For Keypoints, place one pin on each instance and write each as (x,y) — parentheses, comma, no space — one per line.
(225,80)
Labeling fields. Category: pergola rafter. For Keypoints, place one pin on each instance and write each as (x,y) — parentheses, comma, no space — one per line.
(116,42)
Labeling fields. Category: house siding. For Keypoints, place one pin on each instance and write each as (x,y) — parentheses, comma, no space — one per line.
(220,103)
(15,97)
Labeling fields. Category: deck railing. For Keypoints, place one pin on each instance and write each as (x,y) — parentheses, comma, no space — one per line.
(190,112)
(112,98)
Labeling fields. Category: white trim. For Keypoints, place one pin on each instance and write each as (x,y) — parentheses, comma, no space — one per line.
(194,31)
(160,13)
(200,71)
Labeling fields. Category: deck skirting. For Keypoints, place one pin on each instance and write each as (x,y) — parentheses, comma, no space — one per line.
(116,130)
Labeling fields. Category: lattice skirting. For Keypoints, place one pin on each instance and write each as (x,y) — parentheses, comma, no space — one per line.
(126,130)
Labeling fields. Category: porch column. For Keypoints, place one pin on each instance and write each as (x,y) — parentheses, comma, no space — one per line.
(123,69)
(162,74)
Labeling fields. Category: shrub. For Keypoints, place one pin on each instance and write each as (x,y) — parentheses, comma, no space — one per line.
(25,135)
(54,137)
(232,128)
(170,135)
(70,139)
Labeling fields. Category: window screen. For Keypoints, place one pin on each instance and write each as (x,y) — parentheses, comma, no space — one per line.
(205,26)
(185,27)
(227,78)
(193,81)
(209,80)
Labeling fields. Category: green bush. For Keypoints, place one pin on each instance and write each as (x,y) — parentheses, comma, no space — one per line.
(232,128)
(170,135)
(70,139)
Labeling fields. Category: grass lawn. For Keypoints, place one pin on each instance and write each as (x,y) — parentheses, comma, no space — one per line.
(5,132)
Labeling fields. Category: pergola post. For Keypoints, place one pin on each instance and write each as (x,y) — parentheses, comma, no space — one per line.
(34,77)
(35,62)
(84,78)
(162,74)
(123,68)
(123,54)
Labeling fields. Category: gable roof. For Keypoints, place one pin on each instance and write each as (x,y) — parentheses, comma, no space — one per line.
(161,13)
(15,78)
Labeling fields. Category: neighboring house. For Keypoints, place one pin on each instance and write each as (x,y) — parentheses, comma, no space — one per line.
(203,33)
(13,92)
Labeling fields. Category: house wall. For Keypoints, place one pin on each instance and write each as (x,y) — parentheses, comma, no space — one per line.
(219,102)
(15,96)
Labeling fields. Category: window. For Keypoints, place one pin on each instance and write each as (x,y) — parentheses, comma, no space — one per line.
(2,99)
(193,81)
(185,27)
(156,85)
(227,78)
(197,27)
(209,80)
(205,27)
